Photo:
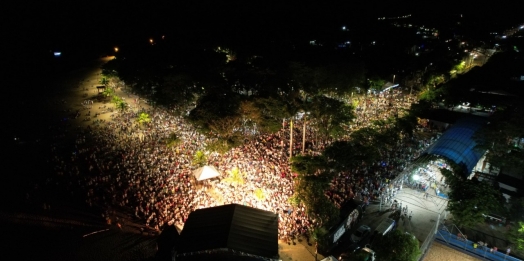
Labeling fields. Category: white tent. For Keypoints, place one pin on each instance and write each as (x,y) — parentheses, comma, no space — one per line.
(329,258)
(205,172)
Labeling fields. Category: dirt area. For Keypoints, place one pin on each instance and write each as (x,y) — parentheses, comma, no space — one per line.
(440,252)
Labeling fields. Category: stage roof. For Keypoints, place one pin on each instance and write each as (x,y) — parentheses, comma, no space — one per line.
(235,227)
(457,142)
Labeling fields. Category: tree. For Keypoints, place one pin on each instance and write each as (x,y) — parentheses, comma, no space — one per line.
(116,100)
(251,116)
(260,194)
(376,84)
(469,199)
(226,129)
(311,185)
(329,116)
(121,105)
(173,140)
(108,92)
(516,235)
(516,209)
(235,177)
(397,246)
(104,81)
(294,200)
(143,118)
(199,159)
(502,140)
(218,145)
(179,89)
(212,108)
(273,111)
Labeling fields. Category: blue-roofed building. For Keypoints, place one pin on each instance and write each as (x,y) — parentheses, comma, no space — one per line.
(457,143)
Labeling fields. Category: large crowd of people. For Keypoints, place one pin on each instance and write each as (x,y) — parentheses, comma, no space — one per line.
(121,163)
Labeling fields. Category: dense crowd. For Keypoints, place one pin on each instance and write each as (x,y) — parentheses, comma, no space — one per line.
(124,164)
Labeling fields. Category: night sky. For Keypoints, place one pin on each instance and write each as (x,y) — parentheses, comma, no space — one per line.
(95,25)
(84,30)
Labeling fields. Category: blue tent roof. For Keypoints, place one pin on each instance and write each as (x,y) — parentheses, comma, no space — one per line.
(457,143)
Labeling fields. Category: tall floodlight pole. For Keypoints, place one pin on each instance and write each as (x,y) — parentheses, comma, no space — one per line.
(304,137)
(380,206)
(291,138)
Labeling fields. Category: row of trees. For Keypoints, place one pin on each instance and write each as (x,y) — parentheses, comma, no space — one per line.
(365,146)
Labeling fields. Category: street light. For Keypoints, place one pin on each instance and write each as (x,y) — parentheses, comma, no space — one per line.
(116,49)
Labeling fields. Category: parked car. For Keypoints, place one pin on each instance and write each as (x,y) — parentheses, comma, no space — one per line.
(360,234)
(364,253)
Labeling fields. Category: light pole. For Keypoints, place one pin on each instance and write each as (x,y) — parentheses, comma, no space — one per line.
(393,79)
(291,138)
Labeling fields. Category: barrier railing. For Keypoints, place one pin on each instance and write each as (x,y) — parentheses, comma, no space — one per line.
(460,243)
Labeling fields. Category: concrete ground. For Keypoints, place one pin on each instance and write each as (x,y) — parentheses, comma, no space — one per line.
(440,252)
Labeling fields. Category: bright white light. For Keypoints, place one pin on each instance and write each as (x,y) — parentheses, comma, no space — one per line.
(416,177)
(343,28)
(57,54)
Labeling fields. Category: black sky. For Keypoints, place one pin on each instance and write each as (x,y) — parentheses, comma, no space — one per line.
(36,25)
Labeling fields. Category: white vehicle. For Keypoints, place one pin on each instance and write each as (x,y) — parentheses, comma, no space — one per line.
(364,254)
(385,226)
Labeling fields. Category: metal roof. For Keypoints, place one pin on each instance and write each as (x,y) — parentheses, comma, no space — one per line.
(457,143)
(234,227)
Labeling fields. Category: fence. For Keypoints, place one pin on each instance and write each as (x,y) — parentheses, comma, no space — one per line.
(451,236)
(424,247)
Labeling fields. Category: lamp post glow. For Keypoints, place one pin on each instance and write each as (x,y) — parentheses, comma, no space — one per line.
(416,177)
(116,49)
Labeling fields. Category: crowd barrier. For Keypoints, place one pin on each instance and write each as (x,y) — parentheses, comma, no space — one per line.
(467,246)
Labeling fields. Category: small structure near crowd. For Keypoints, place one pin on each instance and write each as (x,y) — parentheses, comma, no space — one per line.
(100,89)
(229,232)
(205,172)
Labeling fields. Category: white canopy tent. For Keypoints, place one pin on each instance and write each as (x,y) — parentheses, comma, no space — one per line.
(205,172)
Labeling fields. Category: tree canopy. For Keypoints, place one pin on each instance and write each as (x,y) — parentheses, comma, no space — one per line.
(470,199)
(516,235)
(397,246)
(310,187)
(503,140)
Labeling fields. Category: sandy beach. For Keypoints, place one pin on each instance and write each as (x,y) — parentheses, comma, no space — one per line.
(79,87)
